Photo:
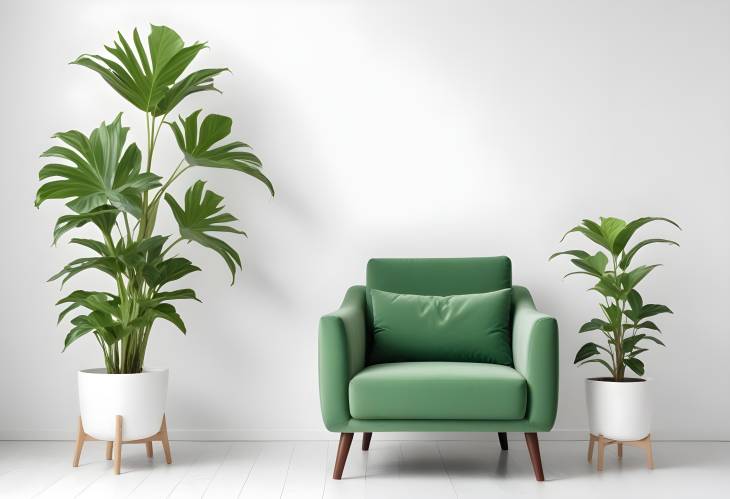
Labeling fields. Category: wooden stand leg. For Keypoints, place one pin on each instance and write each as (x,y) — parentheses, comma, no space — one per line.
(591,442)
(114,449)
(342,450)
(601,449)
(165,441)
(649,455)
(533,446)
(118,445)
(503,440)
(79,444)
(644,443)
(366,437)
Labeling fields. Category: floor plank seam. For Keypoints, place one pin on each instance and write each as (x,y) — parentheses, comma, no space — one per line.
(288,467)
(212,478)
(98,477)
(185,475)
(250,470)
(448,475)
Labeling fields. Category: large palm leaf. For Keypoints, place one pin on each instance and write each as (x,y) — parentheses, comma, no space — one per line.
(197,144)
(102,174)
(201,216)
(149,78)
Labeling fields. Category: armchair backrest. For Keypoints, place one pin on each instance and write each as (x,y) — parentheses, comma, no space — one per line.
(437,276)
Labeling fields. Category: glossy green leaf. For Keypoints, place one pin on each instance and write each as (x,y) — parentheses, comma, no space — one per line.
(629,280)
(97,247)
(628,231)
(598,361)
(643,325)
(607,286)
(103,217)
(611,228)
(167,312)
(95,321)
(649,310)
(630,342)
(197,144)
(103,172)
(635,365)
(635,300)
(78,299)
(108,265)
(613,314)
(654,339)
(595,325)
(588,350)
(592,231)
(148,78)
(629,255)
(594,265)
(203,215)
(637,351)
(178,294)
(575,253)
(157,274)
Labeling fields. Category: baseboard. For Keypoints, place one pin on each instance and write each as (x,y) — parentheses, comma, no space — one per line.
(302,435)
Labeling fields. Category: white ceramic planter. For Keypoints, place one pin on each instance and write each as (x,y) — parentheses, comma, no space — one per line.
(138,398)
(619,411)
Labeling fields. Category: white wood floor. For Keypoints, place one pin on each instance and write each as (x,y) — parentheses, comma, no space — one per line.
(446,469)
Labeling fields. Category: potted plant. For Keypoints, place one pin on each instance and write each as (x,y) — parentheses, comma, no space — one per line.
(107,183)
(618,405)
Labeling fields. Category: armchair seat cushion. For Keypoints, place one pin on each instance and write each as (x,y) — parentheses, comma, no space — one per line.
(438,390)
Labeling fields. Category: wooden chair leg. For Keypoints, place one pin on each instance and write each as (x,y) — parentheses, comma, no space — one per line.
(620,448)
(533,446)
(503,440)
(366,437)
(109,447)
(148,448)
(79,444)
(165,441)
(591,442)
(118,445)
(342,450)
(601,452)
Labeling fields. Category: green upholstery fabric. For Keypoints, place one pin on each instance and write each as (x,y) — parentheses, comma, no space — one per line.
(438,390)
(458,328)
(438,276)
(342,354)
(535,354)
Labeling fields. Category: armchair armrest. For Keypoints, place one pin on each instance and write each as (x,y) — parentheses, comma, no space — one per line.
(341,356)
(535,353)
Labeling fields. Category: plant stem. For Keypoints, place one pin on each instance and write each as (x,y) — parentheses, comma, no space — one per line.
(170,247)
(618,331)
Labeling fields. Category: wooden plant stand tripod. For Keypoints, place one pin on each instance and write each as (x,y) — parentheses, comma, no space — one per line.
(116,445)
(644,443)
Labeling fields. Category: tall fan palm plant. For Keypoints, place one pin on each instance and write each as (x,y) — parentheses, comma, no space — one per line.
(106,184)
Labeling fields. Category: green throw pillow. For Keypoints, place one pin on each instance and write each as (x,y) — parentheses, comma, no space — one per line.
(459,328)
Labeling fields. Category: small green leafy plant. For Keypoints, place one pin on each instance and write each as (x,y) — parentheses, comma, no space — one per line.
(107,185)
(624,323)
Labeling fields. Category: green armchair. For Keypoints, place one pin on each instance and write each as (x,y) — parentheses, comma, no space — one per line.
(437,396)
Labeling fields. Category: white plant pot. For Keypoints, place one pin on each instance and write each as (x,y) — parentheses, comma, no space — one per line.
(138,398)
(619,410)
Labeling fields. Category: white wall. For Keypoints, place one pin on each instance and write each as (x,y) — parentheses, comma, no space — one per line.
(390,129)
